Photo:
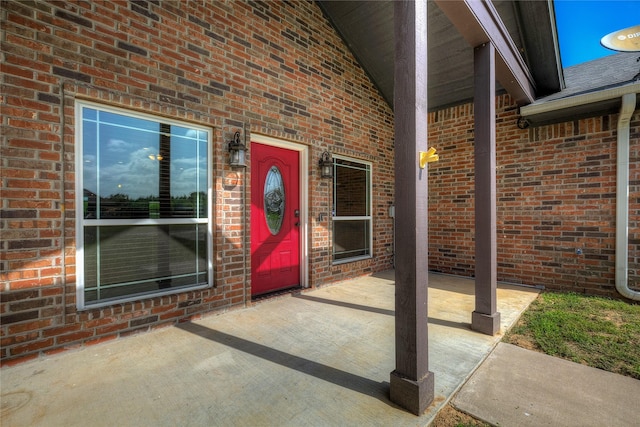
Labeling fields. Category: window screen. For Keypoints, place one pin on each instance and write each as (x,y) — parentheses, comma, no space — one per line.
(352,223)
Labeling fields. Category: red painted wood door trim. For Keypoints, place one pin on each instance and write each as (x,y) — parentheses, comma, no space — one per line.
(275,223)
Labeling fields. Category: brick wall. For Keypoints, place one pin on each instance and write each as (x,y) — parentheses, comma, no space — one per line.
(278,69)
(556,189)
(274,68)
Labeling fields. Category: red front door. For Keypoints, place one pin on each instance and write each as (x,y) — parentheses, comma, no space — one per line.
(275,219)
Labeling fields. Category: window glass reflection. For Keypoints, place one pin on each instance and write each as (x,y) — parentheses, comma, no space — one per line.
(138,168)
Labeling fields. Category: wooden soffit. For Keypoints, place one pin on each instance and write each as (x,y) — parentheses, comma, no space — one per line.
(479,23)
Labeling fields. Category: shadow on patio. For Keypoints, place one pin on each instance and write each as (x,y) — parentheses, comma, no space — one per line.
(322,357)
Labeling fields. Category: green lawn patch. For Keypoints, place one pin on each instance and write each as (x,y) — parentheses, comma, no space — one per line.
(595,331)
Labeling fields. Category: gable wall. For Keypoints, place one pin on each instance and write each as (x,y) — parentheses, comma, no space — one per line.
(276,68)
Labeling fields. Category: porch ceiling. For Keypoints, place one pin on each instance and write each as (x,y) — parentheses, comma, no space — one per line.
(367,28)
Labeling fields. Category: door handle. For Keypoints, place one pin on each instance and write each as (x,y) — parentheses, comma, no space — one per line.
(296,213)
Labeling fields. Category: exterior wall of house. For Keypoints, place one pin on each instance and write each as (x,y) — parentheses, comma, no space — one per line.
(556,190)
(271,68)
(276,69)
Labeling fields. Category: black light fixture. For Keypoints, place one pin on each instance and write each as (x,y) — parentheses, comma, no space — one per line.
(326,165)
(522,123)
(236,151)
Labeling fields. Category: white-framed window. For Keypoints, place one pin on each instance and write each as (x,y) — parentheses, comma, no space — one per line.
(352,221)
(143,206)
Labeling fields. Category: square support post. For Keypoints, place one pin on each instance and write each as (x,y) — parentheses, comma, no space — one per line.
(412,384)
(485,318)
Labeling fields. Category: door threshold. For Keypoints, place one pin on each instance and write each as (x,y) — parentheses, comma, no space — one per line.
(276,294)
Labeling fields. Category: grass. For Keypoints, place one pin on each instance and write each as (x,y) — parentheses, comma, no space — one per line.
(451,417)
(594,331)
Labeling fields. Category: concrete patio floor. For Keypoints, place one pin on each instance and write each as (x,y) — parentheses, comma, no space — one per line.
(320,358)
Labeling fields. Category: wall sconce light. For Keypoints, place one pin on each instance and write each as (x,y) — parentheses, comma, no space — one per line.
(236,151)
(326,165)
(428,157)
(522,123)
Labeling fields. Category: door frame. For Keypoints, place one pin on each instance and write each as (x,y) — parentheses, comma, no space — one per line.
(303,181)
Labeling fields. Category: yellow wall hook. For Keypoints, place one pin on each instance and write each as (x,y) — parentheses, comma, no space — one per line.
(428,157)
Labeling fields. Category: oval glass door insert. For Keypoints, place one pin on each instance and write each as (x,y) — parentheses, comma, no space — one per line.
(274,200)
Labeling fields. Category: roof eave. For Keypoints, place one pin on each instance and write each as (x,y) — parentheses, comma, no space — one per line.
(578,106)
(540,38)
(479,23)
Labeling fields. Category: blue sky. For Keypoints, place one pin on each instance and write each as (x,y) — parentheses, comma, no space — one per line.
(582,23)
